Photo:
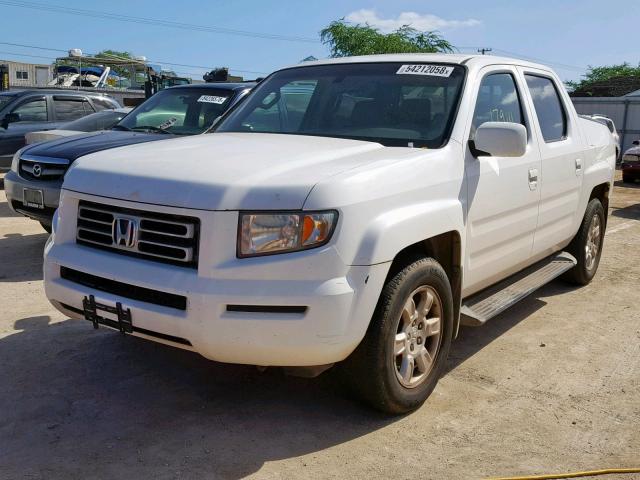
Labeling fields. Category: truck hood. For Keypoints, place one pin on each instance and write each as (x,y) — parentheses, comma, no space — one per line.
(77,146)
(223,171)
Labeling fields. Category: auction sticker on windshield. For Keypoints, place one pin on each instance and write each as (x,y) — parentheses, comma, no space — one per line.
(431,70)
(212,99)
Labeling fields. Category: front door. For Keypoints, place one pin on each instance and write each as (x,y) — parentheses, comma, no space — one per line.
(32,115)
(502,193)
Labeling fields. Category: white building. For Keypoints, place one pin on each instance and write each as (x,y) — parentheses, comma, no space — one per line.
(28,74)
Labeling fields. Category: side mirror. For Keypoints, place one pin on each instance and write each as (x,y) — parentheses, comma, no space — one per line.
(501,139)
(10,118)
(636,142)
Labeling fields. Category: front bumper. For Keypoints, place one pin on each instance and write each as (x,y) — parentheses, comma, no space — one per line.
(339,300)
(14,186)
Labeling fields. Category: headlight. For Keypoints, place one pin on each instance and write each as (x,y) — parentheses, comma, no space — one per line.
(280,232)
(630,158)
(16,159)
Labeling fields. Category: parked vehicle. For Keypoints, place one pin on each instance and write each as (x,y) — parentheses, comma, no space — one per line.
(30,110)
(631,163)
(352,211)
(33,184)
(612,128)
(104,120)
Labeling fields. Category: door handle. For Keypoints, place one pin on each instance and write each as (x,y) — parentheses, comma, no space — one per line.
(578,166)
(533,178)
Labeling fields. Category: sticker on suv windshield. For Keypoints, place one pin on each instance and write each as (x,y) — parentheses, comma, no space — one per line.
(167,123)
(431,70)
(212,99)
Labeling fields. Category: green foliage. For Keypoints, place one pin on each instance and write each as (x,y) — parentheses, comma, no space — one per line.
(345,40)
(115,55)
(603,74)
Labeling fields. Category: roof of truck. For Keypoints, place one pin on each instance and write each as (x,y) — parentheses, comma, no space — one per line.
(219,85)
(461,59)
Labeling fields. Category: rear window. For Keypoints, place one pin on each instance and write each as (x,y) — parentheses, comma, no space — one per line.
(548,106)
(102,104)
(71,109)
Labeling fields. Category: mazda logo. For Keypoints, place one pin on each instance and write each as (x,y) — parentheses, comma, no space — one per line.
(125,232)
(37,170)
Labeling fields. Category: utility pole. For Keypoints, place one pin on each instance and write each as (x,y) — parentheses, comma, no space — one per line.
(484,50)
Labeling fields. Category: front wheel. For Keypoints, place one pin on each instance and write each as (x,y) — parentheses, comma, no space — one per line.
(587,244)
(398,364)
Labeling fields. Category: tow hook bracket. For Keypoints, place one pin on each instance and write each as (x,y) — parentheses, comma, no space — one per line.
(91,308)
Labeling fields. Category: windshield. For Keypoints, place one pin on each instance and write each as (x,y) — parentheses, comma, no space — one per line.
(394,104)
(104,120)
(181,111)
(5,100)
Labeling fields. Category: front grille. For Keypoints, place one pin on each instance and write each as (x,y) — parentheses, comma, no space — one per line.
(155,236)
(125,290)
(35,167)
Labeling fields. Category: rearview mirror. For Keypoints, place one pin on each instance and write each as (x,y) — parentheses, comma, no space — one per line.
(501,139)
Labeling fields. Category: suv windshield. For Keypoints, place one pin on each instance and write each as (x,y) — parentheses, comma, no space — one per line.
(394,104)
(181,111)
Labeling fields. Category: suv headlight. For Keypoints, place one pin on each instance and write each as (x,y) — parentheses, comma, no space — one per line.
(281,232)
(16,159)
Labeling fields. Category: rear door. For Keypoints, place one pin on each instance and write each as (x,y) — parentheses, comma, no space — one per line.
(562,164)
(502,193)
(33,115)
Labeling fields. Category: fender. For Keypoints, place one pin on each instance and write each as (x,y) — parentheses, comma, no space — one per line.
(394,230)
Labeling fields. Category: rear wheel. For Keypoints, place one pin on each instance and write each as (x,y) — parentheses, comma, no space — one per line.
(399,362)
(587,244)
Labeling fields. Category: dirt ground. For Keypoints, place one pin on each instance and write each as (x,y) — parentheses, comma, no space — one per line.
(551,385)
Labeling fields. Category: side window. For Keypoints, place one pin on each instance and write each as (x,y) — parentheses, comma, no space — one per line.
(32,111)
(546,101)
(283,110)
(498,101)
(102,104)
(71,109)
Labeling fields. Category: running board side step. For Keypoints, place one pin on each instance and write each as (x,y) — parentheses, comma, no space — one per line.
(482,306)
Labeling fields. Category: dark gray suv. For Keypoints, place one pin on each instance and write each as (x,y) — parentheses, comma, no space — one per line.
(26,111)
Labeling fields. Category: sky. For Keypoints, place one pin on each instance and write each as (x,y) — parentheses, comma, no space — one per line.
(568,35)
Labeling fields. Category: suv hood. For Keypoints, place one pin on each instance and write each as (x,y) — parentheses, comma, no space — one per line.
(79,145)
(223,171)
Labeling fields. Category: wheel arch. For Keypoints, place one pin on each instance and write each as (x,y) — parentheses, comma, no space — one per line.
(601,192)
(446,249)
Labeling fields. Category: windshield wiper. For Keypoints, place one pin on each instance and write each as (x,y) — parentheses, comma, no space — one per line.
(150,128)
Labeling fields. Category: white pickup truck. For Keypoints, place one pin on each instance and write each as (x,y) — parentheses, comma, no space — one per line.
(351,211)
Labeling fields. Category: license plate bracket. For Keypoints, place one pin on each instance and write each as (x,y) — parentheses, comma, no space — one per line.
(91,308)
(33,198)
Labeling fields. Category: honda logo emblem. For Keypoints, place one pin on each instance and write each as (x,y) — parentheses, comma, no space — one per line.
(125,232)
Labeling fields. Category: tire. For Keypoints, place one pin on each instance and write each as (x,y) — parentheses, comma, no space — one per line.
(627,178)
(374,369)
(46,226)
(584,247)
